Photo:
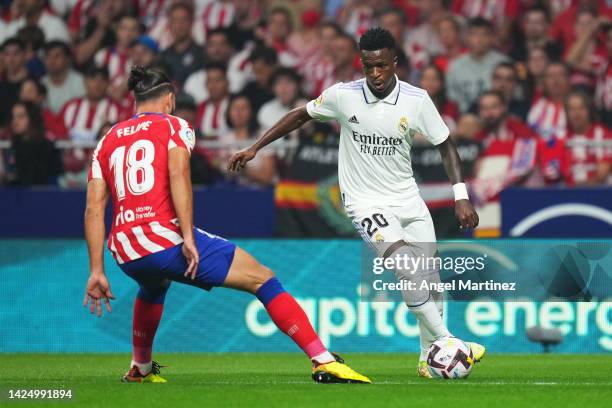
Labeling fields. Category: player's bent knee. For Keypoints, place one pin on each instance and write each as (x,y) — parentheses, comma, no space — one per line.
(261,276)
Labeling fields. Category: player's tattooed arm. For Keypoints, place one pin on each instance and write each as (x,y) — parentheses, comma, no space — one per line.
(288,123)
(467,216)
(97,288)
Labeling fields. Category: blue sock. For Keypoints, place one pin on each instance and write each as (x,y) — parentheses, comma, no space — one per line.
(269,290)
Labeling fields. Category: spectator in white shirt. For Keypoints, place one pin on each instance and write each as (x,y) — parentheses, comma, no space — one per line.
(285,84)
(33,13)
(63,83)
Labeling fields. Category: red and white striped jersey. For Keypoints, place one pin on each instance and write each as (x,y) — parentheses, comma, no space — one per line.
(585,159)
(217,14)
(83,118)
(496,11)
(118,64)
(359,21)
(151,10)
(547,117)
(133,161)
(79,16)
(211,118)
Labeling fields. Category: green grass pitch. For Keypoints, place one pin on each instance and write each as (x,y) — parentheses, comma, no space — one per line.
(283,380)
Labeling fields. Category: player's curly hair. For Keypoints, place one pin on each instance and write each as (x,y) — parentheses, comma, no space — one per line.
(148,83)
(376,38)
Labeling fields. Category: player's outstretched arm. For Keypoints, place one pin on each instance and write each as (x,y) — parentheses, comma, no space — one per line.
(98,287)
(182,198)
(288,123)
(467,216)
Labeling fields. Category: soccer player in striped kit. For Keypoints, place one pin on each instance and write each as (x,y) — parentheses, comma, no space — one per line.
(379,115)
(142,164)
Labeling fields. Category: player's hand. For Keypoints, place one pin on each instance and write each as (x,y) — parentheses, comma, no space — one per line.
(240,159)
(466,214)
(98,289)
(193,258)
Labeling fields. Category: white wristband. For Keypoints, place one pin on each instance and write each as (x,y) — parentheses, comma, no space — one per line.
(460,192)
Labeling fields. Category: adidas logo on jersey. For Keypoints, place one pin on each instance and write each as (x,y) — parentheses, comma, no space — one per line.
(353,119)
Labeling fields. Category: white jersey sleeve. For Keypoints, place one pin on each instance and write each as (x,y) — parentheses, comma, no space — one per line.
(325,107)
(430,123)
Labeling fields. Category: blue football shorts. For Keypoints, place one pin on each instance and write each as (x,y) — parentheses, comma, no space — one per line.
(154,272)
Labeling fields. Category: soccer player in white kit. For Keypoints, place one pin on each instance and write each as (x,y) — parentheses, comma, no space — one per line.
(379,116)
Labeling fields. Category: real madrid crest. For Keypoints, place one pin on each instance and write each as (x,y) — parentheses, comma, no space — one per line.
(403,124)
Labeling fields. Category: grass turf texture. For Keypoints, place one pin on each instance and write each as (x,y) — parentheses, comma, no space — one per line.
(281,380)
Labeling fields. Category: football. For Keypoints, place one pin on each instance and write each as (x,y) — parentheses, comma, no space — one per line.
(450,358)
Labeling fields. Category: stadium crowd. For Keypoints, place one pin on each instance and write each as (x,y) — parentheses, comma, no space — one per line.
(529,81)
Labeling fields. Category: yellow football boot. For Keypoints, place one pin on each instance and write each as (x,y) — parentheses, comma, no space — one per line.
(478,350)
(337,372)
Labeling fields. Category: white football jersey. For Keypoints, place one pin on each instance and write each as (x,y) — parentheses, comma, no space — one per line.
(374,166)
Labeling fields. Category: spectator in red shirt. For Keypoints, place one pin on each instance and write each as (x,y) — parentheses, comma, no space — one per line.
(546,115)
(587,56)
(563,27)
(449,32)
(579,156)
(508,158)
(35,92)
(535,24)
(603,90)
(432,80)
(276,32)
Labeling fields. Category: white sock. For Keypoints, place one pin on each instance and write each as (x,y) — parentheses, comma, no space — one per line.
(144,368)
(324,358)
(425,339)
(429,316)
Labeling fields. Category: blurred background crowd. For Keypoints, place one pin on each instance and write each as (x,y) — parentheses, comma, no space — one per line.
(525,86)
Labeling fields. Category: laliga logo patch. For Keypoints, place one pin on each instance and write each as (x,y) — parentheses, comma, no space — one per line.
(188,135)
(403,124)
(319,100)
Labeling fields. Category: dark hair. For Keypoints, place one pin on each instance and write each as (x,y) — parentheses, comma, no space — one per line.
(32,35)
(333,25)
(36,128)
(588,101)
(50,45)
(349,38)
(480,22)
(281,10)
(538,8)
(220,30)
(392,10)
(40,88)
(252,125)
(13,41)
(93,71)
(285,72)
(266,54)
(216,65)
(562,64)
(148,83)
(439,98)
(185,5)
(509,66)
(452,19)
(496,93)
(376,39)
